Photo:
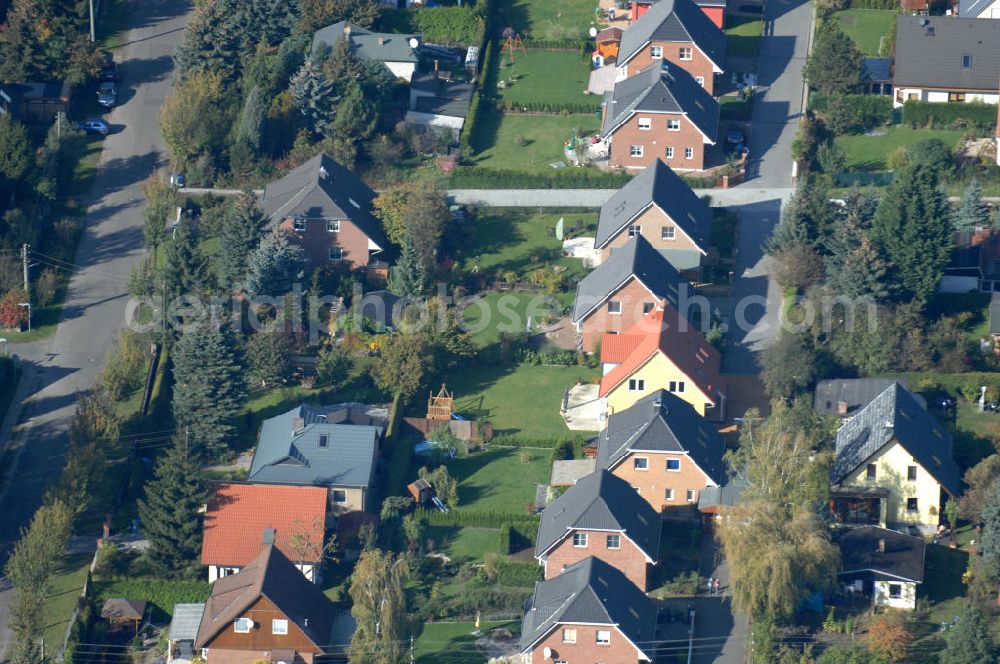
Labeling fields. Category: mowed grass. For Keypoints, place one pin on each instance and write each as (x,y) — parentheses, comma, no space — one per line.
(453,642)
(496,480)
(867,27)
(544,76)
(67,584)
(509,312)
(523,399)
(528,143)
(743,35)
(463,544)
(544,19)
(869,153)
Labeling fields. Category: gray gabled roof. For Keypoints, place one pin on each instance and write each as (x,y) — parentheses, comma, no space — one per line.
(662,422)
(288,450)
(592,592)
(662,87)
(637,258)
(930,50)
(896,414)
(656,185)
(856,393)
(368,45)
(322,188)
(600,501)
(877,69)
(973,8)
(674,21)
(899,556)
(185,620)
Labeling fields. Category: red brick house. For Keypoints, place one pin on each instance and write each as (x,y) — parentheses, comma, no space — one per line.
(241,517)
(679,32)
(327,209)
(715,10)
(664,449)
(267,612)
(589,613)
(659,113)
(600,516)
(634,280)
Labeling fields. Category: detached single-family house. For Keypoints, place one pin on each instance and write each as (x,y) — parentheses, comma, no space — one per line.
(241,518)
(658,205)
(675,31)
(664,450)
(713,9)
(844,397)
(306,447)
(974,262)
(634,280)
(439,102)
(328,210)
(979,8)
(589,613)
(266,613)
(663,351)
(659,113)
(400,53)
(946,59)
(893,465)
(601,516)
(882,564)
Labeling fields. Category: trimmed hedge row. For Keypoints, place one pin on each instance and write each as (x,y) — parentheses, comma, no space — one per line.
(964,385)
(473,116)
(518,575)
(508,106)
(847,113)
(476,177)
(514,440)
(947,116)
(557,44)
(874,4)
(476,518)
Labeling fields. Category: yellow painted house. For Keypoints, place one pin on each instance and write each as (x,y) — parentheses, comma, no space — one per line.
(657,354)
(894,465)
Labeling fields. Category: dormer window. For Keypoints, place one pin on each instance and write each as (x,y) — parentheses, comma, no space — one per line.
(299,225)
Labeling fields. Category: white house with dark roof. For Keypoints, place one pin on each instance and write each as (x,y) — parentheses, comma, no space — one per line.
(399,53)
(882,564)
(946,59)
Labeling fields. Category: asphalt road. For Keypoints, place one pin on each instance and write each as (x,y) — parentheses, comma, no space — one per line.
(57,368)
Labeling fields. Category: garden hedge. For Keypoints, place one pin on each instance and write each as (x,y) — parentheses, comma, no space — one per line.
(874,4)
(477,177)
(964,385)
(948,116)
(557,44)
(846,113)
(518,575)
(475,518)
(551,108)
(514,440)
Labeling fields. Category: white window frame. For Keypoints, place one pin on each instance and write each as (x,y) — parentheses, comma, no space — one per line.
(635,151)
(579,540)
(656,52)
(615,307)
(666,466)
(636,384)
(673,124)
(617,539)
(899,591)
(915,471)
(668,233)
(700,80)
(333,496)
(645,124)
(299,225)
(279,626)
(606,640)
(333,225)
(689,153)
(340,253)
(644,463)
(668,494)
(634,230)
(241,622)
(692,496)
(670,152)
(569,635)
(916,505)
(685,50)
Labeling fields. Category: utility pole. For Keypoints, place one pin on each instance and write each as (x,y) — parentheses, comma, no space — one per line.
(93,36)
(24,264)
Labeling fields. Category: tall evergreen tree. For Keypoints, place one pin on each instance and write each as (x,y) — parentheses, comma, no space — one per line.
(835,64)
(252,118)
(269,354)
(240,234)
(974,212)
(808,218)
(971,640)
(314,96)
(854,268)
(274,266)
(989,540)
(209,388)
(377,589)
(186,269)
(408,277)
(170,513)
(209,45)
(912,229)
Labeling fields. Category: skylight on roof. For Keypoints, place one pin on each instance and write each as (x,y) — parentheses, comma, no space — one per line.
(354,203)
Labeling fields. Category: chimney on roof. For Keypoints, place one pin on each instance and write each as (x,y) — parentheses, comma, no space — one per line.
(881,545)
(347,29)
(381,41)
(269,536)
(323,172)
(298,424)
(841,408)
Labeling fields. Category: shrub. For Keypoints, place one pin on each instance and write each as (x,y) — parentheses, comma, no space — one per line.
(874,4)
(475,177)
(831,158)
(852,113)
(518,575)
(161,593)
(683,585)
(46,287)
(476,518)
(514,440)
(562,108)
(505,538)
(948,116)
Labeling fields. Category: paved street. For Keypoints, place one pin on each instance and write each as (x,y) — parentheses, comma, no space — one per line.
(69,361)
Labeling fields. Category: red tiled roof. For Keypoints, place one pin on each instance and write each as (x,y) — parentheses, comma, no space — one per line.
(616,347)
(238,515)
(688,349)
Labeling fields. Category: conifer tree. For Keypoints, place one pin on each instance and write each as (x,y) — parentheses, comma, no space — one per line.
(854,268)
(269,355)
(186,267)
(314,96)
(170,513)
(970,641)
(835,64)
(974,212)
(408,277)
(274,266)
(209,389)
(241,231)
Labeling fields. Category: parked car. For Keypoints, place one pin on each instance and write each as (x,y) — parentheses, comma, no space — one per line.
(107,94)
(109,72)
(94,126)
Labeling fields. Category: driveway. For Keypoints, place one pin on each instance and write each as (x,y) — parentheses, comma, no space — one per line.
(57,368)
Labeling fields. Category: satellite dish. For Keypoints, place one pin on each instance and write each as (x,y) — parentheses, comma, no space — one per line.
(593,31)
(547,652)
(414,42)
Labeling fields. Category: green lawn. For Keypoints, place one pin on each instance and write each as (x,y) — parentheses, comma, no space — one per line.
(522,399)
(545,76)
(527,142)
(464,544)
(67,584)
(867,27)
(543,19)
(743,35)
(509,312)
(496,480)
(453,642)
(869,153)
(733,108)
